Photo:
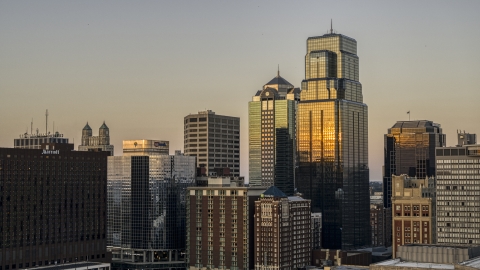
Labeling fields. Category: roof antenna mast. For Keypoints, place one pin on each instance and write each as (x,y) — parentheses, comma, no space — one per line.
(46,122)
(331,26)
(278,71)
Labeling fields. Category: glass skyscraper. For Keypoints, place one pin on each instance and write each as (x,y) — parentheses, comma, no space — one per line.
(410,149)
(272,113)
(146,206)
(332,134)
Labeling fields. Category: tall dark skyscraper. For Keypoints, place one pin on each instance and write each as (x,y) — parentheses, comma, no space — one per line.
(332,126)
(271,128)
(410,149)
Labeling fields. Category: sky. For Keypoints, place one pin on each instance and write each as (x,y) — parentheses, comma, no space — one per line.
(142,66)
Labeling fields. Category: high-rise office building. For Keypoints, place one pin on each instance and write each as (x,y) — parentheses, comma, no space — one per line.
(458,194)
(271,129)
(146,206)
(409,148)
(283,231)
(52,206)
(215,141)
(332,136)
(220,224)
(413,204)
(96,143)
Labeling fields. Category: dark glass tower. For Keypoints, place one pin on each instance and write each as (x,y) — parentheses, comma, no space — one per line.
(332,128)
(410,149)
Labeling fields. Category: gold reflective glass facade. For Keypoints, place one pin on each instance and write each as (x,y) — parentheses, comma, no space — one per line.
(332,135)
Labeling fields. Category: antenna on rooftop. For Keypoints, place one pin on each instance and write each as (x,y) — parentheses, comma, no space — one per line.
(31,127)
(331,26)
(278,70)
(46,122)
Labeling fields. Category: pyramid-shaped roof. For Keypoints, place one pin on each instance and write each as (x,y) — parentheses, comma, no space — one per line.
(104,126)
(87,127)
(273,191)
(278,80)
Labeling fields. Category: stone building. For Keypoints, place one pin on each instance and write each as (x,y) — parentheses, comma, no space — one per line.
(96,143)
(413,211)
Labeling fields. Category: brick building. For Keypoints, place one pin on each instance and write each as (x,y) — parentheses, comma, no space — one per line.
(282,231)
(219,224)
(413,203)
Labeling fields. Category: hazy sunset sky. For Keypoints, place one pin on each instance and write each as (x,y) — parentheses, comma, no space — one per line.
(143,65)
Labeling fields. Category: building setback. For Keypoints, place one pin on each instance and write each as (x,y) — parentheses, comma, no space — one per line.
(214,140)
(458,195)
(52,206)
(413,211)
(272,143)
(146,206)
(332,141)
(219,224)
(283,232)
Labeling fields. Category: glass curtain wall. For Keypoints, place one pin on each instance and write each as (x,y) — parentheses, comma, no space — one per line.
(332,133)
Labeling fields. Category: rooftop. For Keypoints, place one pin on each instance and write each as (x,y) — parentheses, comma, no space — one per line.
(399,263)
(274,192)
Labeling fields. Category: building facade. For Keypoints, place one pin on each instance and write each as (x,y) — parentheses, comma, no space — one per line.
(96,143)
(332,136)
(52,206)
(146,208)
(409,148)
(219,230)
(413,211)
(35,141)
(271,130)
(214,139)
(316,231)
(282,231)
(381,224)
(458,195)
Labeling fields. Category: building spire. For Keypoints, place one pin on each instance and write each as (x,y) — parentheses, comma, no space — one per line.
(278,71)
(331,26)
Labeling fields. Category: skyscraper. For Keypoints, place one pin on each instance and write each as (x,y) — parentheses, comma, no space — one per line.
(332,126)
(96,143)
(146,206)
(215,141)
(272,141)
(409,148)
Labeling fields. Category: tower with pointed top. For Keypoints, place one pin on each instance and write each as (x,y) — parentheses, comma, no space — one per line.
(96,143)
(272,113)
(332,136)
